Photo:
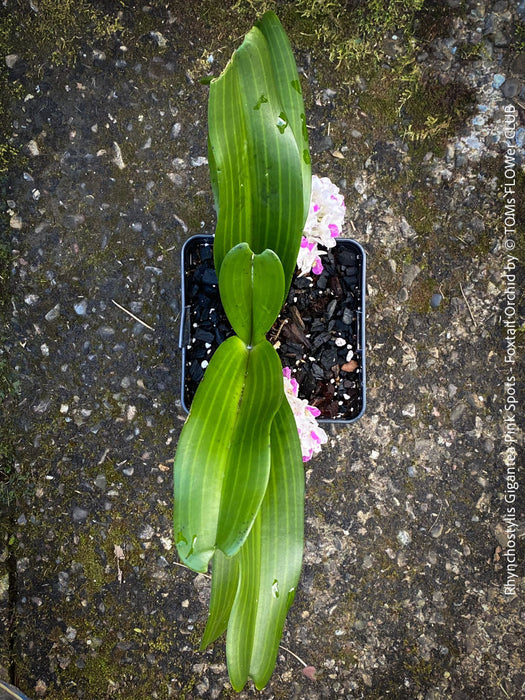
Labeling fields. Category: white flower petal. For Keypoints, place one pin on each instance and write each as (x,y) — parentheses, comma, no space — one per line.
(324,222)
(311,435)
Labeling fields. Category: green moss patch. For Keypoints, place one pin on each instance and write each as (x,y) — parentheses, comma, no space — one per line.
(434,112)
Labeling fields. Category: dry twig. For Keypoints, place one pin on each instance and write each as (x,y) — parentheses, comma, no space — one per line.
(143,323)
(468,305)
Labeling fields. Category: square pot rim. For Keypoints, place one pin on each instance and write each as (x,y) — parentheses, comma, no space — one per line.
(361,313)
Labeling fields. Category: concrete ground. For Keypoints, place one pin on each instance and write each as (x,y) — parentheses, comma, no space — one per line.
(413,574)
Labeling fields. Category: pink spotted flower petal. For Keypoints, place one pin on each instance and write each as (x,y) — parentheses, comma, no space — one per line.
(311,435)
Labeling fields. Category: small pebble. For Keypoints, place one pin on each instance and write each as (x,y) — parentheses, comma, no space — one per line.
(16,222)
(79,514)
(410,274)
(159,39)
(99,55)
(402,295)
(200,160)
(106,332)
(80,307)
(22,564)
(499,39)
(488,446)
(347,316)
(404,538)
(95,642)
(368,561)
(117,158)
(167,543)
(11,59)
(436,300)
(147,532)
(349,366)
(53,314)
(457,412)
(436,531)
(101,482)
(473,142)
(33,149)
(511,87)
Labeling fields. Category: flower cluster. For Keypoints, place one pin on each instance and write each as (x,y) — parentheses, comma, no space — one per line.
(310,434)
(323,224)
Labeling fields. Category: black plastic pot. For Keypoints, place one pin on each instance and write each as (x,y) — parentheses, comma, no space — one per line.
(9,691)
(304,341)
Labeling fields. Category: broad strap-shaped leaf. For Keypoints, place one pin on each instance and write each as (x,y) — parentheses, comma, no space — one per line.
(251,288)
(222,462)
(224,583)
(256,160)
(201,456)
(269,562)
(248,459)
(290,92)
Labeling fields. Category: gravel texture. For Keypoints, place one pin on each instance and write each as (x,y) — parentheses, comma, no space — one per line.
(404,591)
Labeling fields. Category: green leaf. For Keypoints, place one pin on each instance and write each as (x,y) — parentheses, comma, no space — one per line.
(222,462)
(248,456)
(224,582)
(269,562)
(257,161)
(201,455)
(290,92)
(251,288)
(268,293)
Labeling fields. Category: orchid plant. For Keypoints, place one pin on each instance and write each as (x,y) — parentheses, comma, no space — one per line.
(238,470)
